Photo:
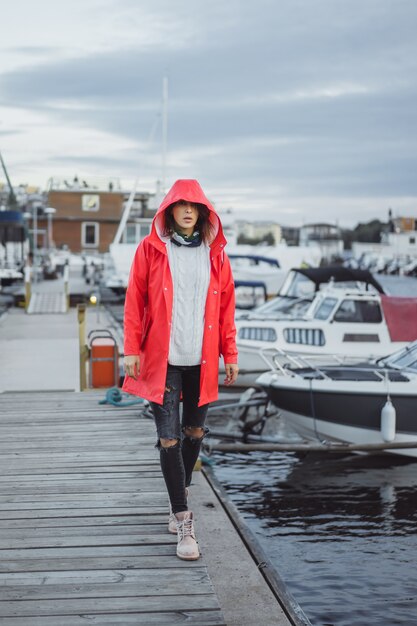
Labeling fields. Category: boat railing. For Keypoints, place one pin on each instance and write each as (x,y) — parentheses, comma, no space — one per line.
(278,360)
(380,373)
(286,364)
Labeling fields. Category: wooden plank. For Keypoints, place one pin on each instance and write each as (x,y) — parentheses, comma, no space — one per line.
(56,533)
(114,485)
(104,584)
(75,552)
(146,470)
(147,518)
(61,460)
(106,605)
(200,617)
(87,563)
(123,539)
(37,514)
(11,502)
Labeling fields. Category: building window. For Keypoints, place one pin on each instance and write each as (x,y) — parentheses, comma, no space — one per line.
(90,202)
(412,241)
(90,234)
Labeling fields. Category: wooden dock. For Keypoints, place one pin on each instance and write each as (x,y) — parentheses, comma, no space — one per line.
(83,519)
(83,506)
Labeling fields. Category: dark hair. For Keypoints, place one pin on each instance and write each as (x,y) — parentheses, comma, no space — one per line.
(203,224)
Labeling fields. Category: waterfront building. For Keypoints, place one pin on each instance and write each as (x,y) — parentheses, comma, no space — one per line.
(258,230)
(327,236)
(88,213)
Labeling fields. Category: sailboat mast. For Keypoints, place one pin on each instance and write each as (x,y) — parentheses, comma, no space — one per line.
(164,131)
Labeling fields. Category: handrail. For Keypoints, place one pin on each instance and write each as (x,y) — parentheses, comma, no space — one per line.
(301,361)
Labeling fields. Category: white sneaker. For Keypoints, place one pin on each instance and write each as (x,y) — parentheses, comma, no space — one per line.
(172,520)
(187,547)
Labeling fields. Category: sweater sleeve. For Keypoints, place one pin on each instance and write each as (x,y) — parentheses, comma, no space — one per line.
(136,301)
(227,314)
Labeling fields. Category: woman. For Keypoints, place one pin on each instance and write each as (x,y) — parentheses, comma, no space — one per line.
(179,318)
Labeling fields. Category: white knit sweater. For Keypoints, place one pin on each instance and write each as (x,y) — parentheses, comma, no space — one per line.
(190,270)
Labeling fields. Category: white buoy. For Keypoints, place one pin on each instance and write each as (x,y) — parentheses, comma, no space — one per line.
(388,421)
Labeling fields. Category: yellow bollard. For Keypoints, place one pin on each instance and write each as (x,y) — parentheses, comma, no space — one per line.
(81,309)
(66,286)
(28,286)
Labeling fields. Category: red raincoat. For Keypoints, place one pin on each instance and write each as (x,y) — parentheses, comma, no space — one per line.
(148,306)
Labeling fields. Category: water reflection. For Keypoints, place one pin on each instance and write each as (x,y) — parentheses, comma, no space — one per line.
(341,531)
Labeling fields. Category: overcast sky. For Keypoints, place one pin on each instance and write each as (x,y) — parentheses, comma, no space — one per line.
(292,110)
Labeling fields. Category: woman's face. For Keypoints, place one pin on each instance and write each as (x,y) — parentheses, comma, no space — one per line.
(185,216)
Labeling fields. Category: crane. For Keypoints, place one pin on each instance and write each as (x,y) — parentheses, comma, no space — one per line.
(12,200)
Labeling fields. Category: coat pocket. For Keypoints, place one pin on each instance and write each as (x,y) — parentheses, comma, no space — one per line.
(146,324)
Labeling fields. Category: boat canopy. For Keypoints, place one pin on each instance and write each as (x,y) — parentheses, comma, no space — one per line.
(256,259)
(12,227)
(338,273)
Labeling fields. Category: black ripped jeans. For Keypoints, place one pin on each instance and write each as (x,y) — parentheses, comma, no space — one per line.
(177,462)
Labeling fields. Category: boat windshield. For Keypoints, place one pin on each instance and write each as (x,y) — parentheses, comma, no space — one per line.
(404,359)
(324,308)
(282,306)
(297,285)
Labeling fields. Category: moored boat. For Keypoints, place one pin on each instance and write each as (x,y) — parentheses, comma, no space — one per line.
(352,319)
(370,402)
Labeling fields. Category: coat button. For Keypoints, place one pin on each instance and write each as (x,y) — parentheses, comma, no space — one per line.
(221,245)
(166,288)
(203,362)
(210,326)
(215,293)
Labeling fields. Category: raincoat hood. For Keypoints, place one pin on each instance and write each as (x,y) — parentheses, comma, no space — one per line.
(188,190)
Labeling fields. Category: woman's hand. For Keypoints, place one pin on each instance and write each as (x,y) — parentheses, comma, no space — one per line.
(132,365)
(232,372)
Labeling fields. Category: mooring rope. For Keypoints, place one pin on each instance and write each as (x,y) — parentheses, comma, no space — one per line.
(115,397)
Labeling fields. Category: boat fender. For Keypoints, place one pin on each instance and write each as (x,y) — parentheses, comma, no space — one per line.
(388,420)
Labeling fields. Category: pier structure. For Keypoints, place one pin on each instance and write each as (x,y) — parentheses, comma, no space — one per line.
(83,507)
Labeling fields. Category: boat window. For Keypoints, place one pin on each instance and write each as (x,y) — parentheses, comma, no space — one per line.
(305,336)
(359,311)
(254,333)
(289,307)
(325,308)
(407,358)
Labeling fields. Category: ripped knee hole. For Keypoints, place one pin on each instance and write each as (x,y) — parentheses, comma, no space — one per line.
(168,443)
(194,432)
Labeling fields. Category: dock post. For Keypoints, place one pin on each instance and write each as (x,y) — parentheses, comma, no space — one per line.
(81,309)
(66,286)
(28,286)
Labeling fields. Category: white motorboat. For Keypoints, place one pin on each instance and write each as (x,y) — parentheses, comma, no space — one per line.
(353,322)
(368,403)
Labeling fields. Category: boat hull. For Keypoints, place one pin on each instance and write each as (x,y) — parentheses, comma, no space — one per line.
(343,413)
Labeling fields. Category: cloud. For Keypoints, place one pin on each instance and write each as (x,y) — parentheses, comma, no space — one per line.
(291,100)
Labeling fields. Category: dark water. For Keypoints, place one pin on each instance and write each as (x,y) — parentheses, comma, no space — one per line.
(341,531)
